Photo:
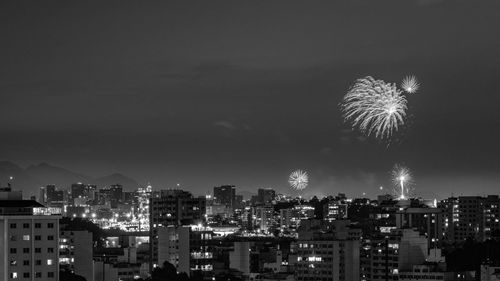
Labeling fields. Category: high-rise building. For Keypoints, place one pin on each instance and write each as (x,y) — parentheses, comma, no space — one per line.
(30,235)
(428,221)
(266,195)
(188,248)
(327,251)
(334,210)
(383,257)
(116,192)
(78,190)
(173,208)
(470,217)
(225,194)
(76,252)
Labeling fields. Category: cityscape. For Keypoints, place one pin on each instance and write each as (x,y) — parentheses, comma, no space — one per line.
(250,141)
(108,233)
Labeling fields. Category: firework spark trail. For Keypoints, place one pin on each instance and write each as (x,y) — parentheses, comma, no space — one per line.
(375,107)
(403,181)
(410,84)
(298,180)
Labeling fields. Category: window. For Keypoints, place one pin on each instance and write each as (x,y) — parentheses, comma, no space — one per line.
(26,237)
(50,274)
(38,250)
(26,225)
(13,263)
(38,237)
(50,250)
(13,225)
(50,225)
(13,238)
(38,225)
(49,262)
(50,237)
(26,262)
(38,262)
(38,275)
(26,250)
(13,250)
(13,275)
(26,275)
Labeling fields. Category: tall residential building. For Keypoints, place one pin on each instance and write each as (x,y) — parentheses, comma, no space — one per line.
(30,235)
(383,257)
(327,251)
(428,221)
(471,217)
(76,252)
(334,210)
(173,207)
(188,248)
(225,194)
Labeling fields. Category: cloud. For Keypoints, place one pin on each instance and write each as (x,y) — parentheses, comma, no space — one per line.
(225,124)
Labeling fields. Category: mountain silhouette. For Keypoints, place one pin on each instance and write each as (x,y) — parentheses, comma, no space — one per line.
(31,178)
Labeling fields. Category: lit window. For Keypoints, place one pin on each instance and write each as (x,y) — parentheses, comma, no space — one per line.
(13,275)
(49,262)
(26,237)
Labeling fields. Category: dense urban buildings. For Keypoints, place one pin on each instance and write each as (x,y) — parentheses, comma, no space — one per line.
(104,233)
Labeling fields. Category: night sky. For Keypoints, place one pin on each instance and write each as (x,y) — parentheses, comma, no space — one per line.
(227,92)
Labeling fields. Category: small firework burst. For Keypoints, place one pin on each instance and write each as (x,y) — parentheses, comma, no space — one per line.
(410,84)
(298,180)
(375,107)
(403,181)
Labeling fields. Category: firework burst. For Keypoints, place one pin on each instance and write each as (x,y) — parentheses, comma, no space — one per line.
(410,84)
(403,181)
(375,107)
(298,180)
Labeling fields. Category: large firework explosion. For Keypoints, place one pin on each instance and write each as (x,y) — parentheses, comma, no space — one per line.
(403,181)
(375,107)
(298,180)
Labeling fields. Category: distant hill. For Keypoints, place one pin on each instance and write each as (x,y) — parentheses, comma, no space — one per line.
(30,179)
(55,175)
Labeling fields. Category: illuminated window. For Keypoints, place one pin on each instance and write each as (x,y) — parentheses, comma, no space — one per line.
(49,262)
(13,275)
(26,237)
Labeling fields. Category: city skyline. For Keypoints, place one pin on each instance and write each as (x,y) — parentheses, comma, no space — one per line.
(220,93)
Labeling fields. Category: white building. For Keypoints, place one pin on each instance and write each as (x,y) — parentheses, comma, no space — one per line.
(29,235)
